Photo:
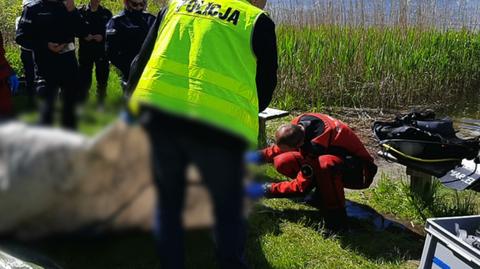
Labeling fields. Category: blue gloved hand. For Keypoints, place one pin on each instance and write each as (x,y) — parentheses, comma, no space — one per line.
(127,117)
(254,157)
(13,82)
(255,190)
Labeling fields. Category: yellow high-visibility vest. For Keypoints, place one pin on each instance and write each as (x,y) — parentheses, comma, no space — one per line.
(203,65)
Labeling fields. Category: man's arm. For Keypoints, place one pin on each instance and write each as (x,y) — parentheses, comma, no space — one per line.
(297,187)
(270,152)
(140,61)
(26,35)
(264,43)
(112,42)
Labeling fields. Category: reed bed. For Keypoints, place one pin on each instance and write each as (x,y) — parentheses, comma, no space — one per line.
(375,67)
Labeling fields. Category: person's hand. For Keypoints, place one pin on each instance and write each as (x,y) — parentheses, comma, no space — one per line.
(254,157)
(69,4)
(55,47)
(127,117)
(98,38)
(255,190)
(13,82)
(89,37)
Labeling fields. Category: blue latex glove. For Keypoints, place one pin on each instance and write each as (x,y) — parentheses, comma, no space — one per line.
(255,190)
(254,157)
(127,117)
(13,82)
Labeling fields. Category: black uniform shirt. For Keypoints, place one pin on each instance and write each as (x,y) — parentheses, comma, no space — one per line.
(46,21)
(96,21)
(125,35)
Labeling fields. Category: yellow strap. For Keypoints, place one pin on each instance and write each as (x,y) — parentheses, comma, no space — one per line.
(388,147)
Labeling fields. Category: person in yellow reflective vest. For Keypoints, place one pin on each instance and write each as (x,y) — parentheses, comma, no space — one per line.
(203,74)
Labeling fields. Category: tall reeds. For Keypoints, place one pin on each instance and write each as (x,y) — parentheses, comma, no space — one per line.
(376,53)
(371,66)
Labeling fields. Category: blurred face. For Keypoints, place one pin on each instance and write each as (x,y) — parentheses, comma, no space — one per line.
(135,5)
(259,3)
(94,2)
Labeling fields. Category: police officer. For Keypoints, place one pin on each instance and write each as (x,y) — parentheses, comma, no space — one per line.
(204,72)
(92,50)
(126,33)
(48,28)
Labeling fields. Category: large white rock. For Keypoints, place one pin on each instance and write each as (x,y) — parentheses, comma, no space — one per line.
(54,181)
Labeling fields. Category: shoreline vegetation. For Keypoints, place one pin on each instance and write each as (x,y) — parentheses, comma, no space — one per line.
(378,54)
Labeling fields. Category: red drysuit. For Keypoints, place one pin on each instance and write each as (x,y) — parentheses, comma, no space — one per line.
(5,72)
(331,158)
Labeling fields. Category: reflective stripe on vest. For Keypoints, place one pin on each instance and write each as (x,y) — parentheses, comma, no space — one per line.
(203,66)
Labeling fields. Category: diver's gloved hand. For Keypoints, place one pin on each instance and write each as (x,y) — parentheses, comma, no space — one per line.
(256,190)
(127,117)
(254,157)
(13,82)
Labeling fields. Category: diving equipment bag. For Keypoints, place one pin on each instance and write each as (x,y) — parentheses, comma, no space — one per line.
(423,142)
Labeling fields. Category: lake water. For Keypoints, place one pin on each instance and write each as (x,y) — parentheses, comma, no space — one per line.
(439,13)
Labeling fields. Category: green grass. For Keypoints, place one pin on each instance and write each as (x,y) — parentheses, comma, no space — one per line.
(290,235)
(282,234)
(394,197)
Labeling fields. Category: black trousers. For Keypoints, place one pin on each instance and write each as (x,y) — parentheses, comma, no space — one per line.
(29,69)
(57,72)
(221,171)
(87,58)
